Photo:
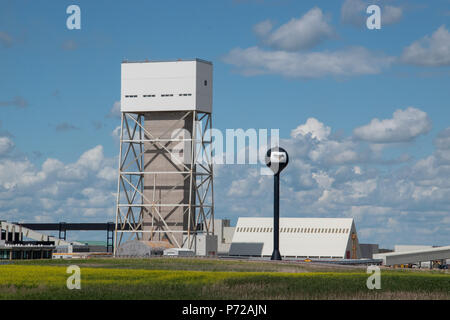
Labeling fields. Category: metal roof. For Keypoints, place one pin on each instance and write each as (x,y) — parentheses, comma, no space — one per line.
(176,60)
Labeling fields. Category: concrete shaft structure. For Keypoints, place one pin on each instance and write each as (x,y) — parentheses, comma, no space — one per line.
(169,192)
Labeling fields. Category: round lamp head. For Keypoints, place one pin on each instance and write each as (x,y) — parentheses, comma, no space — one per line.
(277,159)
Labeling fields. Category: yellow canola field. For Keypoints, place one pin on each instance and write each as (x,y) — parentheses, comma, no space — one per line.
(31,276)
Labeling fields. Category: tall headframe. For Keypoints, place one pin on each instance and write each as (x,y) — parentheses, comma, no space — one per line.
(165,176)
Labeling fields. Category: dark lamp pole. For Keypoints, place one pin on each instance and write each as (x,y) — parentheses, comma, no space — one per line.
(276,159)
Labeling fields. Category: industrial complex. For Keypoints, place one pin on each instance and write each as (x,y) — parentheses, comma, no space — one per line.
(327,240)
(165,198)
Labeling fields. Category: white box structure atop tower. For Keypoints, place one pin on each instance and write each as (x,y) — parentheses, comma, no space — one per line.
(166,86)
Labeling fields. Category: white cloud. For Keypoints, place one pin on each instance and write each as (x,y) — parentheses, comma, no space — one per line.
(405,125)
(312,127)
(354,12)
(286,57)
(263,28)
(92,158)
(250,186)
(323,180)
(391,14)
(336,152)
(52,165)
(362,189)
(115,110)
(333,177)
(116,134)
(297,34)
(348,62)
(326,177)
(312,141)
(442,143)
(442,140)
(58,191)
(6,145)
(19,174)
(47,203)
(431,51)
(108,173)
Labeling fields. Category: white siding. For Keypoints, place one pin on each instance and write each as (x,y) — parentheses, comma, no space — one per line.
(407,248)
(166,86)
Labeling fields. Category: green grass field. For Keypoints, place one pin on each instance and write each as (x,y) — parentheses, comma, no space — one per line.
(189,278)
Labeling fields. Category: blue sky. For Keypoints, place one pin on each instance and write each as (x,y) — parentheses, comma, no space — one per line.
(58,87)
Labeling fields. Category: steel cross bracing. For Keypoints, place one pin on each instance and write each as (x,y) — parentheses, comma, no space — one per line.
(132,203)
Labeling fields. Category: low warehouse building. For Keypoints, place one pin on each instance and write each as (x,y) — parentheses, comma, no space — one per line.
(323,238)
(25,251)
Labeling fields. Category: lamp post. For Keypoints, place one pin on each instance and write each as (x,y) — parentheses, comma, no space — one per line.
(276,159)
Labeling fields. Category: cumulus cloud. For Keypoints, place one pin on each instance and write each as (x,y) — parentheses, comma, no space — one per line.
(442,143)
(331,177)
(58,191)
(297,34)
(263,28)
(391,14)
(115,110)
(442,140)
(404,125)
(287,57)
(326,177)
(323,180)
(116,134)
(429,51)
(91,159)
(313,142)
(108,173)
(6,145)
(337,152)
(312,127)
(348,62)
(353,12)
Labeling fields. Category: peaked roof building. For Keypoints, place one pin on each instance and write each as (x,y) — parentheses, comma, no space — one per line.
(327,238)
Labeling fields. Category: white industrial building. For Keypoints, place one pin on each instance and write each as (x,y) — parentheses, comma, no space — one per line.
(419,255)
(322,238)
(162,86)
